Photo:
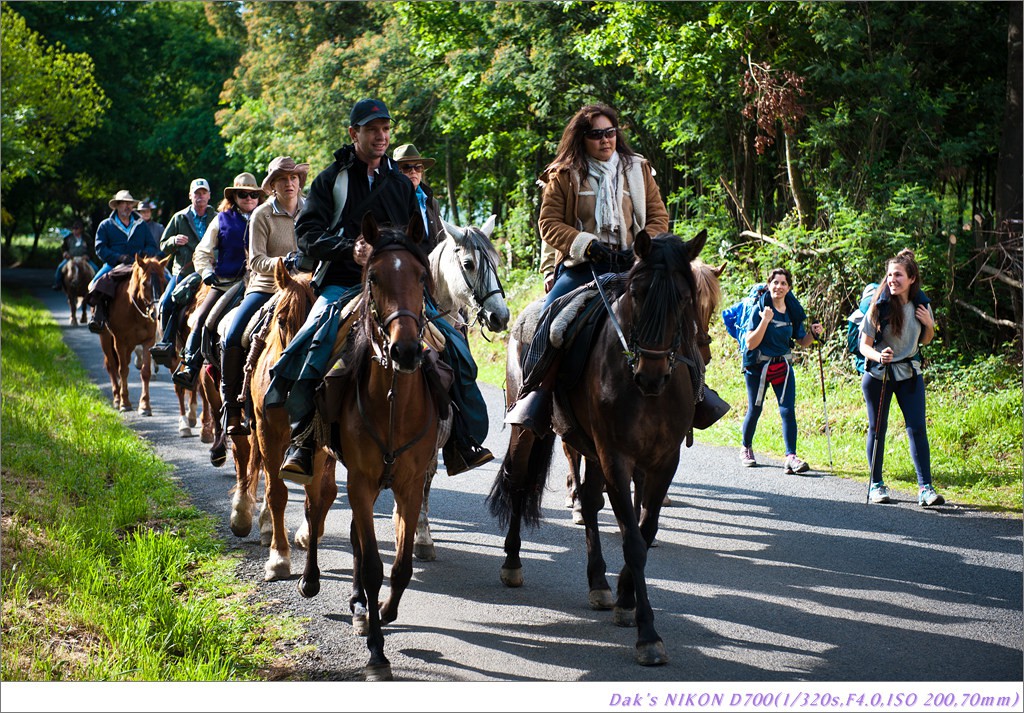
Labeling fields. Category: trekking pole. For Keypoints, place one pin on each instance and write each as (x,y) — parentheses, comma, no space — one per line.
(824,404)
(874,446)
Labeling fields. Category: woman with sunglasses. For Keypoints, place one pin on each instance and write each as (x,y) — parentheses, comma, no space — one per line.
(220,260)
(414,167)
(597,195)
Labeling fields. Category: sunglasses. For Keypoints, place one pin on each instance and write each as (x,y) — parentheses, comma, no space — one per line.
(598,134)
(410,167)
(248,194)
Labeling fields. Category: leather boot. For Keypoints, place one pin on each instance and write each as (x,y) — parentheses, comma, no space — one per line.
(461,454)
(709,410)
(298,459)
(187,373)
(231,386)
(98,320)
(164,351)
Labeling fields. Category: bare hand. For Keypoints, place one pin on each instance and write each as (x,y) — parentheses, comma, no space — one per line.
(924,316)
(180,239)
(817,329)
(549,282)
(886,355)
(361,252)
(767,313)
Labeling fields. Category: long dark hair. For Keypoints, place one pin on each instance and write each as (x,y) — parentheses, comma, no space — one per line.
(905,259)
(571,149)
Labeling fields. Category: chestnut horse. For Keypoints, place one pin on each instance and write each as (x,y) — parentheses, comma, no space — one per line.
(387,429)
(75,277)
(628,416)
(132,322)
(262,452)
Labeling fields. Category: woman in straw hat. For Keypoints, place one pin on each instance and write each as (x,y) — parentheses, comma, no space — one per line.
(220,260)
(271,238)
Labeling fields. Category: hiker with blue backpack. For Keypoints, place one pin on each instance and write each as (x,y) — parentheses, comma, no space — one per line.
(767,324)
(898,320)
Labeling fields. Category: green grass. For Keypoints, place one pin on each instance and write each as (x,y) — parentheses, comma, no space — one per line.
(108,573)
(974,416)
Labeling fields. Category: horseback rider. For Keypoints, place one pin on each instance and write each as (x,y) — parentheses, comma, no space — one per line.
(598,194)
(219,259)
(271,238)
(119,238)
(181,237)
(75,244)
(362,179)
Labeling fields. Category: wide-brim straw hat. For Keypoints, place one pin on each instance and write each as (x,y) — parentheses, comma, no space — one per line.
(243,182)
(122,197)
(407,153)
(282,165)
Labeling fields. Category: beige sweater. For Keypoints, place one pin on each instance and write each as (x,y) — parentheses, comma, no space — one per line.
(271,237)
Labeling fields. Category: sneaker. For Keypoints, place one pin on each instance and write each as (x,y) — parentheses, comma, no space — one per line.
(747,458)
(879,493)
(927,496)
(795,465)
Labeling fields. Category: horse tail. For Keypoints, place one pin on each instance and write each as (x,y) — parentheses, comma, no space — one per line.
(518,490)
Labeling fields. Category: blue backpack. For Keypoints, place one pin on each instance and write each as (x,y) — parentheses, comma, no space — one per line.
(737,316)
(853,323)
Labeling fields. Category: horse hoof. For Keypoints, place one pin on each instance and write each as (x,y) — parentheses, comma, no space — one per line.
(624,617)
(184,432)
(145,411)
(241,525)
(378,672)
(309,588)
(218,456)
(206,437)
(601,599)
(361,624)
(192,421)
(266,538)
(425,553)
(277,567)
(512,577)
(653,654)
(577,516)
(125,409)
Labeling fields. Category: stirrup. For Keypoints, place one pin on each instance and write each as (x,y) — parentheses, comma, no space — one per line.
(532,411)
(236,425)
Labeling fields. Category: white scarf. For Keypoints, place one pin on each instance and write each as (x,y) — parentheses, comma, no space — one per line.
(607,179)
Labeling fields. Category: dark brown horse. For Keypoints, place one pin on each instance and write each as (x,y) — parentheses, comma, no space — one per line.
(132,322)
(262,452)
(387,430)
(629,415)
(75,277)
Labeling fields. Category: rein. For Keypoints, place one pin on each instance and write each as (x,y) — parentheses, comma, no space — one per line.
(487,268)
(149,313)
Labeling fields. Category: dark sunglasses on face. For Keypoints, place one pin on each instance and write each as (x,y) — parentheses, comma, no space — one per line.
(598,134)
(410,167)
(248,194)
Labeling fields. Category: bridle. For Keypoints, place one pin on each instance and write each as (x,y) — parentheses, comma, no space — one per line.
(148,309)
(485,270)
(380,340)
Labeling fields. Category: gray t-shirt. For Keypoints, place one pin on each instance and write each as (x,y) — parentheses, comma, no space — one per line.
(903,346)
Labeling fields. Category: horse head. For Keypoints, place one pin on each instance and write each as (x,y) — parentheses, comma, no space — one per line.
(147,283)
(395,278)
(709,295)
(466,262)
(658,308)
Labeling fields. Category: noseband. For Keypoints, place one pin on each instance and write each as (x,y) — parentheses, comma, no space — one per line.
(381,340)
(486,268)
(148,308)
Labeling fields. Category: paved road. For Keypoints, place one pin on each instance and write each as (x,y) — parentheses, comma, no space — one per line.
(757,576)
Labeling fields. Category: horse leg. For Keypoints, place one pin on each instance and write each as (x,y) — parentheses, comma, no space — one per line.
(371,574)
(521,471)
(572,478)
(184,429)
(243,503)
(146,373)
(73,305)
(309,582)
(326,493)
(423,543)
(633,607)
(408,501)
(123,360)
(591,498)
(206,435)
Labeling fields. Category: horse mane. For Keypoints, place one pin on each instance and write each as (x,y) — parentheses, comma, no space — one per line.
(295,299)
(476,240)
(668,250)
(143,270)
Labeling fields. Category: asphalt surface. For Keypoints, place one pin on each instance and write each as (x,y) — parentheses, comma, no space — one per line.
(757,576)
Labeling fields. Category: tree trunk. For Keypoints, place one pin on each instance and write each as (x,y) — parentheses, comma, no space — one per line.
(804,209)
(1009,176)
(453,206)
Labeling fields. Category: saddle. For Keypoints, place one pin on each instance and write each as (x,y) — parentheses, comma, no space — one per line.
(106,285)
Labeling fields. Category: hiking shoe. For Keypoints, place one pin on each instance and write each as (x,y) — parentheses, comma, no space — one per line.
(747,458)
(927,496)
(795,465)
(879,493)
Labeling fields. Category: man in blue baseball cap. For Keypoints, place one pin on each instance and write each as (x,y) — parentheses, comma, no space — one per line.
(362,178)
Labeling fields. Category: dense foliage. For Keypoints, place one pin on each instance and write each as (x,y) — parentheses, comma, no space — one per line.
(822,136)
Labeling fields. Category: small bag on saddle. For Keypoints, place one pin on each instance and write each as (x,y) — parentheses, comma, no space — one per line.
(106,286)
(185,291)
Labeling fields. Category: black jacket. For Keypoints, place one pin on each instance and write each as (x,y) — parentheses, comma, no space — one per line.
(392,201)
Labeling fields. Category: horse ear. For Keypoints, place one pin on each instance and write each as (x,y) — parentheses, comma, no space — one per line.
(488,227)
(642,244)
(369,229)
(138,260)
(415,230)
(696,244)
(720,269)
(453,230)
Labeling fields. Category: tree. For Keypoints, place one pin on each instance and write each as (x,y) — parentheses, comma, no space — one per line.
(50,100)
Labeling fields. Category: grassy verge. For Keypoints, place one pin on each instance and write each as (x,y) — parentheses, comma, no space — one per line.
(108,573)
(974,417)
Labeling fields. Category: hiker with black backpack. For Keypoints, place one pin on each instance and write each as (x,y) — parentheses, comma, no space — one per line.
(767,336)
(896,324)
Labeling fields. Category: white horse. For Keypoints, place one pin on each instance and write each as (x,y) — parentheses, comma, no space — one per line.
(464,266)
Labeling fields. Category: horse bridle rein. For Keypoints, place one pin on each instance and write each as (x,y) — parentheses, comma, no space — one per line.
(486,268)
(150,305)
